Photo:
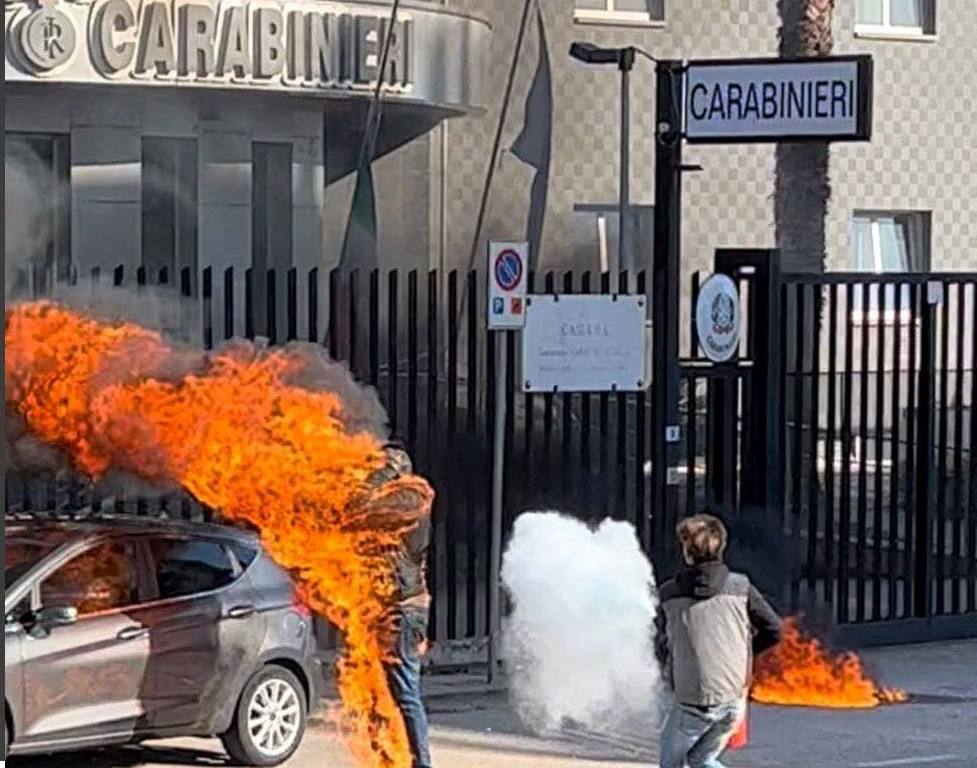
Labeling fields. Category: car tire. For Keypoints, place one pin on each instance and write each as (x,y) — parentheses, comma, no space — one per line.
(269,721)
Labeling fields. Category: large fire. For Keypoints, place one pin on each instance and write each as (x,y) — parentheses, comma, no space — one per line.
(235,430)
(800,671)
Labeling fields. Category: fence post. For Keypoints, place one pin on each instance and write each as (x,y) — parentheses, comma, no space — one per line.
(762,487)
(925,460)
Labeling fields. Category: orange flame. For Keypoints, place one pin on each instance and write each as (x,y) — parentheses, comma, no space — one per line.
(800,671)
(230,428)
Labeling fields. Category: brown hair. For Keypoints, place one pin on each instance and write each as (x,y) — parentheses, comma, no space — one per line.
(702,538)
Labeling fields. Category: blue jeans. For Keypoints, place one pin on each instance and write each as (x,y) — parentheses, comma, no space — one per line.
(698,736)
(404,679)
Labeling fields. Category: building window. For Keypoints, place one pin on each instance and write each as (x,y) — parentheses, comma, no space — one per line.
(271,235)
(36,211)
(887,242)
(169,211)
(620,11)
(596,237)
(896,17)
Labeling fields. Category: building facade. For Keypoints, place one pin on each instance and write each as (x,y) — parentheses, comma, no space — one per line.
(212,133)
(905,200)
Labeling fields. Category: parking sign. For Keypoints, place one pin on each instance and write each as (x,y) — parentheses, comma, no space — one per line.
(507,267)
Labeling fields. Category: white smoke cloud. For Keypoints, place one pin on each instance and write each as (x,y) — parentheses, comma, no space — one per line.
(578,644)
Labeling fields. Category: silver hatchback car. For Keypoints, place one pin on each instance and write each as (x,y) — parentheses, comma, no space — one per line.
(121,629)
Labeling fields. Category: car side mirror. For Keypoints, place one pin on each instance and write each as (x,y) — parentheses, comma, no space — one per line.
(49,618)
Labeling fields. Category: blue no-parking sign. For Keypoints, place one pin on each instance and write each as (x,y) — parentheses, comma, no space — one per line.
(507,266)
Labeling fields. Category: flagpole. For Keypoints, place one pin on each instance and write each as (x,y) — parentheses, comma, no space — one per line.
(371,130)
(490,174)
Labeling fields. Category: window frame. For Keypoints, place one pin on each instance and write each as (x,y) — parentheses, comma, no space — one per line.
(873,315)
(153,583)
(888,30)
(610,15)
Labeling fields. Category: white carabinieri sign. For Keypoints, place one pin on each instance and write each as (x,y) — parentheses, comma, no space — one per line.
(771,100)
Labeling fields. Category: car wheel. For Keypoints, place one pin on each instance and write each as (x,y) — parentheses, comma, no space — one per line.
(269,721)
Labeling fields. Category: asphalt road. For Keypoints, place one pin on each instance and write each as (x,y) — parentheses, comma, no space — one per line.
(938,729)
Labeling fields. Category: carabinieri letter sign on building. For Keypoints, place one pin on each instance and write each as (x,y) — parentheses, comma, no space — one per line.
(754,100)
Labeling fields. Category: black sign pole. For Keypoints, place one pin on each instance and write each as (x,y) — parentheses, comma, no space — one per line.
(665,297)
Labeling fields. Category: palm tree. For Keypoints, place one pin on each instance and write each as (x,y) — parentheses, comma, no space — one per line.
(802,187)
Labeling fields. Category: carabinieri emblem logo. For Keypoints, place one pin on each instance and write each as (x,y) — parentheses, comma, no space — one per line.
(47,36)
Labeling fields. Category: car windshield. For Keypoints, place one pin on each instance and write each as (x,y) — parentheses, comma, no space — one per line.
(22,551)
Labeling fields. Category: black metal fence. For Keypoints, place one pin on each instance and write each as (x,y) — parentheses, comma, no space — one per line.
(419,339)
(852,394)
(880,401)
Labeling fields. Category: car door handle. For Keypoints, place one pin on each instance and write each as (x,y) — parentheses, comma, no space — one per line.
(133,633)
(241,612)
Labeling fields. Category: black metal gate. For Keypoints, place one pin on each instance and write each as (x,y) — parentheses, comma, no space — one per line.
(839,446)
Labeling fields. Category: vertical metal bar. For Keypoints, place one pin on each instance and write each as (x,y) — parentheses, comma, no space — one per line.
(943,372)
(439,550)
(691,441)
(479,611)
(228,303)
(455,552)
(373,308)
(332,332)
(292,308)
(313,289)
(877,520)
(896,454)
(828,591)
(272,307)
(526,467)
(666,305)
(208,329)
(412,362)
(925,464)
(622,430)
(813,486)
(972,474)
(249,303)
(549,286)
(498,479)
(958,477)
(586,474)
(797,427)
(603,404)
(567,405)
(393,351)
(694,351)
(844,524)
(913,374)
(353,328)
(861,558)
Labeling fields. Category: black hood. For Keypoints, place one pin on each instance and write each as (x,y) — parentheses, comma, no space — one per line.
(702,581)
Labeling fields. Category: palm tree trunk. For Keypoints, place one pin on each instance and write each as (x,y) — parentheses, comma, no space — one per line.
(802,193)
(803,187)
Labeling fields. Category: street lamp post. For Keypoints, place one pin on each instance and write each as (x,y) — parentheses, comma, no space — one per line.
(623,59)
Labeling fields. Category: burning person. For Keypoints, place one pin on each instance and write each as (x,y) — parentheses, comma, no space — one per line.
(404,626)
(710,624)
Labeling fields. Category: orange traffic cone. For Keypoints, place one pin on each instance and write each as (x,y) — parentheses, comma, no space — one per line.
(740,735)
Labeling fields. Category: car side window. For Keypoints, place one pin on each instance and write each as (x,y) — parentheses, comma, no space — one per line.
(190,566)
(103,578)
